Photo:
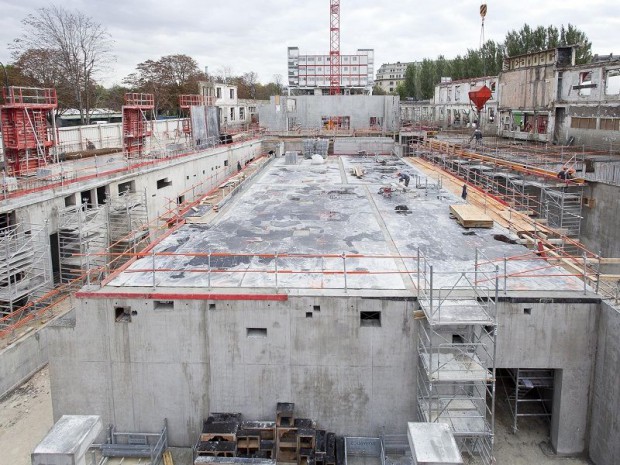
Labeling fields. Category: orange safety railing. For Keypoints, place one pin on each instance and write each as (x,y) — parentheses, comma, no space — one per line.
(30,97)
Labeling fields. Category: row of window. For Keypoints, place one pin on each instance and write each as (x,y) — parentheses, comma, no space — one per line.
(604,124)
(322,59)
(231,93)
(310,69)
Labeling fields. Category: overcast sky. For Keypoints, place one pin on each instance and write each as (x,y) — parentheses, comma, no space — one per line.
(253,35)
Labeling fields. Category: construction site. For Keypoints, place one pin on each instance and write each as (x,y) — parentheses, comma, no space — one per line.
(328,286)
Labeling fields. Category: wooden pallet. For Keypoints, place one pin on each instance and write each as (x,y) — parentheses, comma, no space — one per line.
(469,216)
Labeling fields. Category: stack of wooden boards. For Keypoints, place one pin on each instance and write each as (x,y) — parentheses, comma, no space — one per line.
(469,216)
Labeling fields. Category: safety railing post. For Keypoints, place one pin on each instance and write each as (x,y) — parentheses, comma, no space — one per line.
(209,270)
(153,265)
(585,274)
(275,261)
(418,273)
(344,266)
(598,271)
(431,289)
(505,275)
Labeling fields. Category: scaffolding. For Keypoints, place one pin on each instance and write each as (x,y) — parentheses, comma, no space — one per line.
(456,347)
(26,137)
(562,209)
(82,241)
(529,392)
(25,272)
(136,125)
(128,227)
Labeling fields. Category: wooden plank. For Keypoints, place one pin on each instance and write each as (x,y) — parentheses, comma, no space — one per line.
(469,216)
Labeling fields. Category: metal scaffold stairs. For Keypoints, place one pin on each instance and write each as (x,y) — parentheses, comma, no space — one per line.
(128,227)
(25,273)
(562,209)
(456,346)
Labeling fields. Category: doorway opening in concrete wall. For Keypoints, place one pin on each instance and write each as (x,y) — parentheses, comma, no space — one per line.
(526,396)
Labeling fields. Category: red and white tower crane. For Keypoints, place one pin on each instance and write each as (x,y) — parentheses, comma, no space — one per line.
(334,47)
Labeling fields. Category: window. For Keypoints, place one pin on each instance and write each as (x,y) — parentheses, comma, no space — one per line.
(256,332)
(232,93)
(232,114)
(582,123)
(218,92)
(291,104)
(370,319)
(612,82)
(165,182)
(609,124)
(585,83)
(242,113)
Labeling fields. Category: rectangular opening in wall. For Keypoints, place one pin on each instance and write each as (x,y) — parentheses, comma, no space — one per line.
(457,339)
(125,187)
(370,318)
(165,182)
(122,314)
(308,314)
(316,308)
(180,199)
(70,200)
(163,305)
(612,82)
(102,195)
(527,311)
(211,306)
(256,332)
(225,162)
(87,199)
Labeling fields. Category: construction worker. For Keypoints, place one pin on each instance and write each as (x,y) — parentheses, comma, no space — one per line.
(238,166)
(464,192)
(403,178)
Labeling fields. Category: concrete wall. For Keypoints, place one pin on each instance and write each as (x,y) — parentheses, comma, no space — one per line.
(530,88)
(601,221)
(208,166)
(22,359)
(562,336)
(184,362)
(287,113)
(605,427)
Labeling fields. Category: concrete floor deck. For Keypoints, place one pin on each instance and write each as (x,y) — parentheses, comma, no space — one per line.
(311,214)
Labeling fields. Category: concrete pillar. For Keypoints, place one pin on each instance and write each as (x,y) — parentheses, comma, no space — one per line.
(570,410)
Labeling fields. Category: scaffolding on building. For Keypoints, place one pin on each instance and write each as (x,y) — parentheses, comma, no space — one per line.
(136,124)
(456,346)
(128,227)
(25,272)
(27,137)
(82,242)
(529,392)
(562,210)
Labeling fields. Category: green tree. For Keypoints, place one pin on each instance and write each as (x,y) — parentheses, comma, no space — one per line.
(528,40)
(378,90)
(427,79)
(410,85)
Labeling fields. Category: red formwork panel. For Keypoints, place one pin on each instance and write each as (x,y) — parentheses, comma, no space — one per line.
(136,127)
(26,135)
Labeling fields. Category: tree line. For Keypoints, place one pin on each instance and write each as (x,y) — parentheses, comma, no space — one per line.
(421,78)
(68,51)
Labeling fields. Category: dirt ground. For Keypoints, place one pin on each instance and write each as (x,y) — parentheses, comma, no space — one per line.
(26,417)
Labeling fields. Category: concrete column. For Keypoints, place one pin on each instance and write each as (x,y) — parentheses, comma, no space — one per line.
(570,410)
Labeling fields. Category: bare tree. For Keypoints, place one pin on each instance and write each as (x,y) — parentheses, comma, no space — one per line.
(81,46)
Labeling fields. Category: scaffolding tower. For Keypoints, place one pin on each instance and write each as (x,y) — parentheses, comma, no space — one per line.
(562,209)
(25,272)
(128,227)
(136,125)
(456,346)
(27,136)
(529,392)
(82,243)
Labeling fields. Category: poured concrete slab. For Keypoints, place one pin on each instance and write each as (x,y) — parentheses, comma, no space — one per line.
(290,226)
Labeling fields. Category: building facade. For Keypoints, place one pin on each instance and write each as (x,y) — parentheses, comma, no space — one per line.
(389,75)
(310,74)
(233,111)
